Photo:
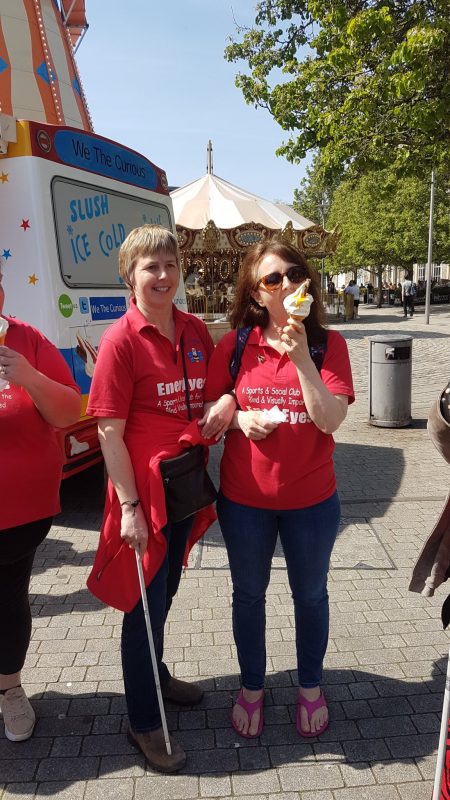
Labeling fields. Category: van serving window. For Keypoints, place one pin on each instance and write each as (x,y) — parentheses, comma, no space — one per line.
(91,223)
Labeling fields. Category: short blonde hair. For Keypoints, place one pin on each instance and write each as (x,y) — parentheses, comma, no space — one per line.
(145,241)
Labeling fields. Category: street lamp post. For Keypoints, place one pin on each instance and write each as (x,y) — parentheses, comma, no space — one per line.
(322,278)
(430,253)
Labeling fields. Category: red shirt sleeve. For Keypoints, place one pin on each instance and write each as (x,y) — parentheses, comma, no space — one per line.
(336,372)
(51,363)
(219,380)
(208,342)
(113,380)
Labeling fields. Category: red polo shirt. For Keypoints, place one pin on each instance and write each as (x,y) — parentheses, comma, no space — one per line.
(138,371)
(293,466)
(139,377)
(31,459)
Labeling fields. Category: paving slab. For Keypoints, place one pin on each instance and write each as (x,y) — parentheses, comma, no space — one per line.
(385,666)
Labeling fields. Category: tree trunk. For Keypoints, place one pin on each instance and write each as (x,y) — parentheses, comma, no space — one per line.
(380,271)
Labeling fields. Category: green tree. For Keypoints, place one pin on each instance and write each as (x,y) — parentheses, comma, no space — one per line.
(385,222)
(313,198)
(364,244)
(365,82)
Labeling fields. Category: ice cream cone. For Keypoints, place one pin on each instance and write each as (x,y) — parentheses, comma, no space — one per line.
(295,319)
(298,304)
(4,325)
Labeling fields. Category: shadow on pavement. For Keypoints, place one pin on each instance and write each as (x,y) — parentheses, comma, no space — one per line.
(370,329)
(84,492)
(60,553)
(360,467)
(357,467)
(374,719)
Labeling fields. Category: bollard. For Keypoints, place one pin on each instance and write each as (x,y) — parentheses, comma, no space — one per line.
(390,362)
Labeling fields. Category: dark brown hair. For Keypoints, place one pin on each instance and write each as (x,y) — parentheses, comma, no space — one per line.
(245,311)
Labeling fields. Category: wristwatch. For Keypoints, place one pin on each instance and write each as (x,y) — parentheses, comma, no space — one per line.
(133,503)
(233,395)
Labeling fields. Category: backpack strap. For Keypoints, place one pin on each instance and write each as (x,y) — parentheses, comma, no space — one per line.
(317,353)
(234,366)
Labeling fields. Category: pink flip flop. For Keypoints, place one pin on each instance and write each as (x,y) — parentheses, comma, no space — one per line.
(250,709)
(311,707)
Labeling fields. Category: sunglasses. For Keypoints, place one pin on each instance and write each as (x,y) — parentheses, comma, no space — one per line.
(275,279)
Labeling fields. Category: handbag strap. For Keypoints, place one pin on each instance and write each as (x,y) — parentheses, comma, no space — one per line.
(186,385)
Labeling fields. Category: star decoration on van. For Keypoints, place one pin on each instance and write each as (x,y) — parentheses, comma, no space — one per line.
(33,279)
(25,224)
(6,254)
(4,177)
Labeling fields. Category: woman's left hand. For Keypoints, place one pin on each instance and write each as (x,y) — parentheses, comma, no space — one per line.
(295,342)
(217,417)
(14,367)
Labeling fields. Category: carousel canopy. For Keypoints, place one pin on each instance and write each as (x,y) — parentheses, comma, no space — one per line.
(212,198)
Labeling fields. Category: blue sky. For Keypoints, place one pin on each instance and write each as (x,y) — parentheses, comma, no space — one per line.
(156,80)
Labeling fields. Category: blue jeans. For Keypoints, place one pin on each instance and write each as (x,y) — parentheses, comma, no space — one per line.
(140,688)
(307,536)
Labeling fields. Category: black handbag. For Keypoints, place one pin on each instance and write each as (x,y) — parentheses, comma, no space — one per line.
(187,485)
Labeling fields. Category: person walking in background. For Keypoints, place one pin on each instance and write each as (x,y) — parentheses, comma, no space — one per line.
(151,369)
(353,290)
(349,302)
(408,295)
(277,477)
(37,395)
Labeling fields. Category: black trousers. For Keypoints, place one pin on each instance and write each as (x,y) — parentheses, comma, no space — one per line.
(408,305)
(17,550)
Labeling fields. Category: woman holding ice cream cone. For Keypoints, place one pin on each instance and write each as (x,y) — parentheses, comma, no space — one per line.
(277,476)
(37,395)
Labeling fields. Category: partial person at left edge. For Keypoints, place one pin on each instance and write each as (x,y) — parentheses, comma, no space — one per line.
(37,395)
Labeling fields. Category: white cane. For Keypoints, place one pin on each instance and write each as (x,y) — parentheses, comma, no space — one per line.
(440,765)
(152,653)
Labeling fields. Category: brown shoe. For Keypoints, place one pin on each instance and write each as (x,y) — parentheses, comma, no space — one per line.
(182,693)
(153,746)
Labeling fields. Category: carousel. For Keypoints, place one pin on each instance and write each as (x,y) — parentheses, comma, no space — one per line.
(216,223)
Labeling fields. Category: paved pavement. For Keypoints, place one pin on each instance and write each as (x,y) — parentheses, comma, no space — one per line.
(386,661)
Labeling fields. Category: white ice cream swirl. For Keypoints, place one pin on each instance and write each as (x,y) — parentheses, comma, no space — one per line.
(298,304)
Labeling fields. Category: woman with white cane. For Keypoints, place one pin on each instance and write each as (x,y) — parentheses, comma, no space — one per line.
(153,654)
(147,393)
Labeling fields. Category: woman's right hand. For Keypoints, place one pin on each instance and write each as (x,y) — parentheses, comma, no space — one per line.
(133,528)
(253,424)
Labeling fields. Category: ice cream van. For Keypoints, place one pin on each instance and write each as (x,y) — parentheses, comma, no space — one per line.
(68,199)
